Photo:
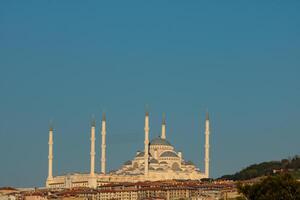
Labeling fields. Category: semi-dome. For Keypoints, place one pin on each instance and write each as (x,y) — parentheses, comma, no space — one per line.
(168,154)
(153,161)
(142,154)
(189,163)
(128,162)
(160,141)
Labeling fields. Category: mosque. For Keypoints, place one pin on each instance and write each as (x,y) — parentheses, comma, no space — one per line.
(158,161)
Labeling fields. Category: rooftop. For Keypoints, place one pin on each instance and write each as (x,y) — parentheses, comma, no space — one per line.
(168,154)
(160,141)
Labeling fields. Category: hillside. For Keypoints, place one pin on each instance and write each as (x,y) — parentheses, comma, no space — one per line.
(267,168)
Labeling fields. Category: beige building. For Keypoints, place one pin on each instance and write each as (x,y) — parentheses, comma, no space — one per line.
(166,190)
(35,197)
(8,193)
(158,161)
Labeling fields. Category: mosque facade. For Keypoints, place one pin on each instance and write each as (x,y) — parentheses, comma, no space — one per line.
(158,161)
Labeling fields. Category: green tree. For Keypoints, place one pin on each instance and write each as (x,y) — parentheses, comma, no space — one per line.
(277,187)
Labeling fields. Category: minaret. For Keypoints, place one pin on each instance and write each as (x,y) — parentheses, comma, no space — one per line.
(146,156)
(93,127)
(103,145)
(163,127)
(180,157)
(50,155)
(207,132)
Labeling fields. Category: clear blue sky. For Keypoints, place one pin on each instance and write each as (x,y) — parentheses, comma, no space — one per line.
(68,60)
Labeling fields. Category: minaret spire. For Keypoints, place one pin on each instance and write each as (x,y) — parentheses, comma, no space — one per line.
(50,155)
(92,153)
(163,127)
(146,142)
(207,133)
(103,145)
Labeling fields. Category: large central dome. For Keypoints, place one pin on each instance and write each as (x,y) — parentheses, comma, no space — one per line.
(160,141)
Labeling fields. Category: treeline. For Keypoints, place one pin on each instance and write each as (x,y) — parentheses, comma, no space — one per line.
(265,168)
(279,186)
